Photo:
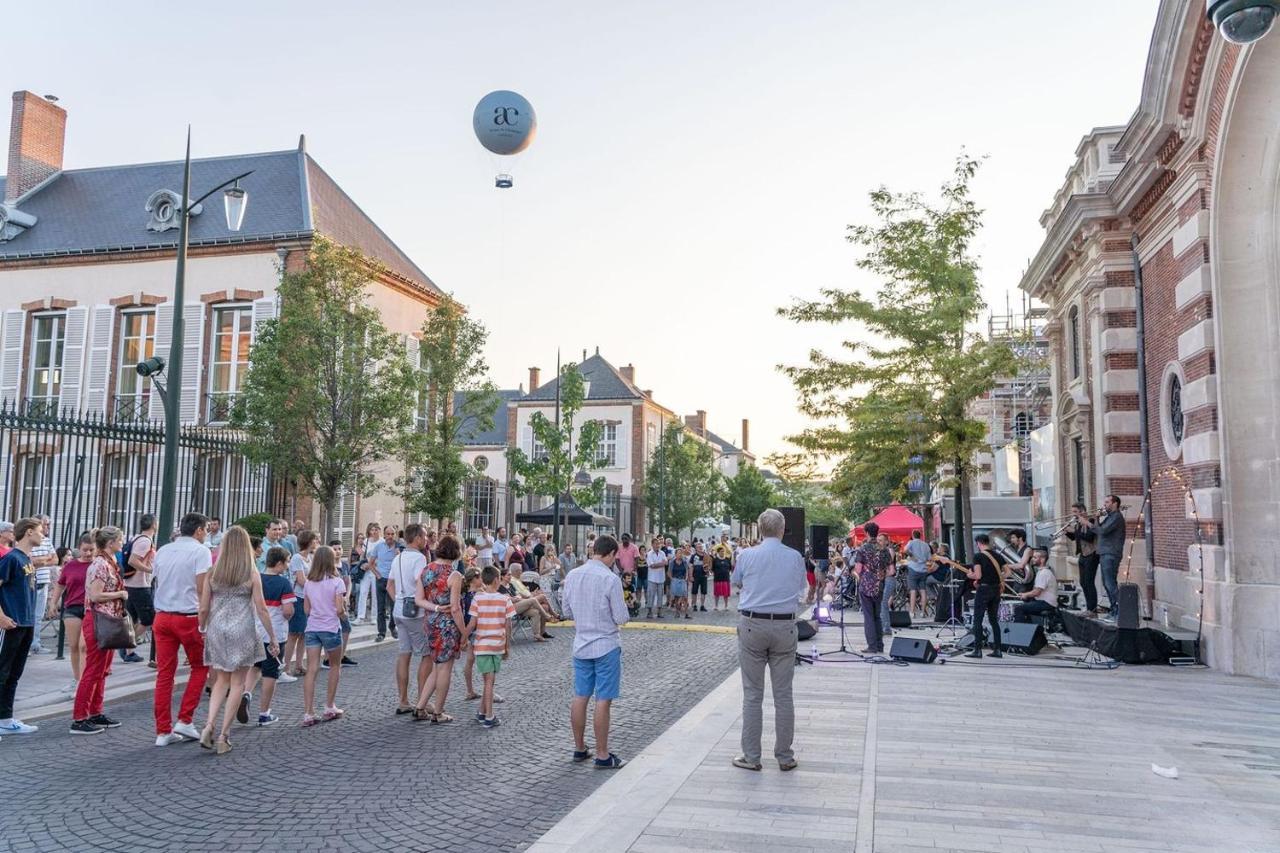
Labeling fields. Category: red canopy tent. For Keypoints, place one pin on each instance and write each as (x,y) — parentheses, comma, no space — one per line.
(895,521)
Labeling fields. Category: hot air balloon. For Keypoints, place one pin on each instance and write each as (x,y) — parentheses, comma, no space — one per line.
(505,124)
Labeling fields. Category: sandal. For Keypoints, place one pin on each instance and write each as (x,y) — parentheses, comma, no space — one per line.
(424,715)
(206,738)
(471,696)
(308,721)
(440,719)
(331,714)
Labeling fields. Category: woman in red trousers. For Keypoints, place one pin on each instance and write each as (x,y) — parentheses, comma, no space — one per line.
(104,592)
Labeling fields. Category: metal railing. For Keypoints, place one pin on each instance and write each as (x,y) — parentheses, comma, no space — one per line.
(218,406)
(131,408)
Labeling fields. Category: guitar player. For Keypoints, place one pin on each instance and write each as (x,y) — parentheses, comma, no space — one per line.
(988,574)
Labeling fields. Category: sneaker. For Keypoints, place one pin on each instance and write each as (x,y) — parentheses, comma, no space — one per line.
(132,657)
(242,712)
(187,730)
(70,689)
(267,719)
(332,713)
(104,721)
(491,722)
(346,661)
(17,727)
(151,664)
(286,678)
(479,717)
(324,664)
(308,721)
(170,738)
(84,727)
(381,637)
(613,762)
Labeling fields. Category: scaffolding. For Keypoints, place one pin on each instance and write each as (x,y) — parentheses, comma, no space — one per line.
(1019,404)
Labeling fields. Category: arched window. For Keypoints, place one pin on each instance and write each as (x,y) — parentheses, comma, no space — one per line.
(1073,330)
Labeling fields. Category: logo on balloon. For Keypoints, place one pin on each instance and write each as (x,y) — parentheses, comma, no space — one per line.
(505,116)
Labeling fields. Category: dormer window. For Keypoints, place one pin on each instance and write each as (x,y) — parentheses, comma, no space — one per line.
(163,206)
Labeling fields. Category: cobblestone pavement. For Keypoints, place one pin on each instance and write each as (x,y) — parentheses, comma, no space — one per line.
(372,781)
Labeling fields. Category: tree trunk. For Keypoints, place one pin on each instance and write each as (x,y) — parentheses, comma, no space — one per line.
(960,528)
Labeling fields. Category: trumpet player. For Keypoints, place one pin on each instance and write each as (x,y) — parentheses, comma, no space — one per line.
(1111,530)
(1084,533)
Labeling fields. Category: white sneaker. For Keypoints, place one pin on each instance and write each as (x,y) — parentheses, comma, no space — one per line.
(285,678)
(171,737)
(187,730)
(70,688)
(17,727)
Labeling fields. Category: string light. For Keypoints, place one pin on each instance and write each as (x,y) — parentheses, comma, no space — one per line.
(1189,498)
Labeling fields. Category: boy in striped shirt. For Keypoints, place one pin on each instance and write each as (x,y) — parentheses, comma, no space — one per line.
(490,611)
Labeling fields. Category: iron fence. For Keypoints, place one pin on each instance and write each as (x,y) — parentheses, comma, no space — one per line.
(87,470)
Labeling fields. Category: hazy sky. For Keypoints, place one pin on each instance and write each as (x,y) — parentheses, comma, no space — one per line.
(695,166)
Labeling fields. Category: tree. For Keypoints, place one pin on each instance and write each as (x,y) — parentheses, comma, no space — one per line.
(681,480)
(454,402)
(799,486)
(552,473)
(901,400)
(328,393)
(747,494)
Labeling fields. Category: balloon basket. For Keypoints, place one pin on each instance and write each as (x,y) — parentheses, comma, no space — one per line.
(503,182)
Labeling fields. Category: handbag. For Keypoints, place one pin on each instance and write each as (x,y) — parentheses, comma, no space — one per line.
(111,632)
(408,607)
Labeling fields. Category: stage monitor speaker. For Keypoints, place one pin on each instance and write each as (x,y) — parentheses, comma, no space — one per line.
(1023,637)
(793,535)
(805,629)
(899,619)
(1127,604)
(914,649)
(820,541)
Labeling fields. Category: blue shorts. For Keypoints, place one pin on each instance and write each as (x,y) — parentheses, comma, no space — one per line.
(601,677)
(917,580)
(328,640)
(298,621)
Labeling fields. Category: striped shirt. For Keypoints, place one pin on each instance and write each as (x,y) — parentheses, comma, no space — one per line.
(592,598)
(490,612)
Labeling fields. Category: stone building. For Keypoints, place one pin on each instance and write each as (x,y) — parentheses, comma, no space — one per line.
(1188,195)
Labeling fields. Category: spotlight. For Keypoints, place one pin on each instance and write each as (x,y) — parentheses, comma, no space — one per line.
(1243,21)
(151,367)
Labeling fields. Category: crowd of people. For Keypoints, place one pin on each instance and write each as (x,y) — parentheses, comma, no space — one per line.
(247,613)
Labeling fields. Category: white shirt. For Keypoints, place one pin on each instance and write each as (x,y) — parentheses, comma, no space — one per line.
(140,579)
(484,547)
(1047,583)
(406,568)
(175,569)
(299,563)
(592,598)
(657,562)
(44,574)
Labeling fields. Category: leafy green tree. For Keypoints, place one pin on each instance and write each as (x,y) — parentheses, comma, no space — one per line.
(799,485)
(901,400)
(747,494)
(455,401)
(681,481)
(553,472)
(328,394)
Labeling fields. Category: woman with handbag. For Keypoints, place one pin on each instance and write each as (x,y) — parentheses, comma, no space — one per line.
(103,631)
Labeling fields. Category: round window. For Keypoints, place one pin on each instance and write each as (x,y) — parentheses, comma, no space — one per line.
(1172,420)
(481,463)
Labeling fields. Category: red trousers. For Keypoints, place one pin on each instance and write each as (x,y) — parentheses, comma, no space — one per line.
(93,680)
(169,631)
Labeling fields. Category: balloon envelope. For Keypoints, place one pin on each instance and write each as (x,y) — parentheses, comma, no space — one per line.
(504,122)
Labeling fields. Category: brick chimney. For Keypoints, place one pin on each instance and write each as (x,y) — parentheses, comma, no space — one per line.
(534,375)
(36,134)
(746,435)
(628,372)
(701,420)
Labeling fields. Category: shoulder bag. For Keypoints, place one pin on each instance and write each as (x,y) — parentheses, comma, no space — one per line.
(110,632)
(408,607)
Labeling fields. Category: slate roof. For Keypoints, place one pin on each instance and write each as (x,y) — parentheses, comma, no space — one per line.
(495,436)
(725,447)
(101,210)
(606,383)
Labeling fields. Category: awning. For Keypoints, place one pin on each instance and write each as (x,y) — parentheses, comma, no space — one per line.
(570,514)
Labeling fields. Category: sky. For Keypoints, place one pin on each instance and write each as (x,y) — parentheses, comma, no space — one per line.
(696,162)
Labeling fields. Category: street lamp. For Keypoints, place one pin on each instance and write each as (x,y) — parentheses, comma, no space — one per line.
(1243,21)
(235,200)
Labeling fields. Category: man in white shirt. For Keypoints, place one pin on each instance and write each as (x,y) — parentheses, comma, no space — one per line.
(484,548)
(214,540)
(179,569)
(1042,598)
(656,584)
(137,583)
(593,599)
(500,546)
(44,558)
(402,585)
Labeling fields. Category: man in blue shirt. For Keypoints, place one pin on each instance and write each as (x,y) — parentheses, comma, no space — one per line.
(772,579)
(18,618)
(381,556)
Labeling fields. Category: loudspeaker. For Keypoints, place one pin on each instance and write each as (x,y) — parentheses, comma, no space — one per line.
(1023,637)
(899,619)
(820,541)
(793,535)
(805,629)
(913,649)
(1127,603)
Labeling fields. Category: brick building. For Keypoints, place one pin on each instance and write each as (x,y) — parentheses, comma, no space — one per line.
(87,272)
(1190,189)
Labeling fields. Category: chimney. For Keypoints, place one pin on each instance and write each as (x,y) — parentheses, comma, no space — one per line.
(534,375)
(701,418)
(36,135)
(628,372)
(746,435)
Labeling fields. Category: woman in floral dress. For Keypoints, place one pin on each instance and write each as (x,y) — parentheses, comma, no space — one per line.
(440,594)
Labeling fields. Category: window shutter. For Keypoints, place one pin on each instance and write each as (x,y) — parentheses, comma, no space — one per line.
(192,348)
(73,352)
(11,355)
(526,440)
(263,310)
(98,363)
(624,435)
(164,337)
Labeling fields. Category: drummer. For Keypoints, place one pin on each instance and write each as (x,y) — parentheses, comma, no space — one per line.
(1042,598)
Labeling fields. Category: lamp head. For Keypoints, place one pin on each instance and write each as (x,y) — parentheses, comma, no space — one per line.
(1243,21)
(235,199)
(151,367)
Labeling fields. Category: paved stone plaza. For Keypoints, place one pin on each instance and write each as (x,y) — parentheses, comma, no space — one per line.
(370,782)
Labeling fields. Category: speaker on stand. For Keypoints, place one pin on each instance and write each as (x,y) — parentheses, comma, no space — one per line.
(793,534)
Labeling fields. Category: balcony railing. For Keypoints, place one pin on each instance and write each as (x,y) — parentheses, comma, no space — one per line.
(218,406)
(131,408)
(40,407)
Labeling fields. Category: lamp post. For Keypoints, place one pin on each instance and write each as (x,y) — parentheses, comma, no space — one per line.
(235,200)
